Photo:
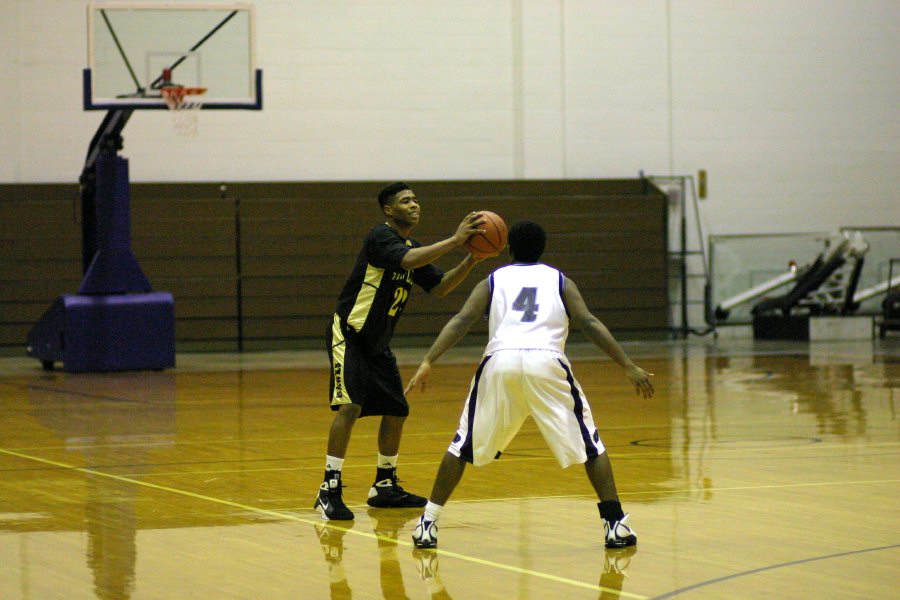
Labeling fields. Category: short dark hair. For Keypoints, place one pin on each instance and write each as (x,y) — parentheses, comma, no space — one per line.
(526,241)
(389,191)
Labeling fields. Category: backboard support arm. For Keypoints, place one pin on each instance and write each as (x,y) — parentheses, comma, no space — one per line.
(115,38)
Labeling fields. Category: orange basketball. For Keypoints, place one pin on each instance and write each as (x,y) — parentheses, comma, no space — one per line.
(492,241)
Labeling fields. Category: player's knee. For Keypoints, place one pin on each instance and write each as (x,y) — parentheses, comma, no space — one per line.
(349,412)
(394,420)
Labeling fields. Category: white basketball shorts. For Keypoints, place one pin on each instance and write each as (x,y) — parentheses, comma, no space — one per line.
(510,385)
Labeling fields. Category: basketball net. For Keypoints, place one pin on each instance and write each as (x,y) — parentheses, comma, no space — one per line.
(184,103)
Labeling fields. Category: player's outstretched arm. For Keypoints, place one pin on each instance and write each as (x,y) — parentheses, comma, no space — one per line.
(597,333)
(424,255)
(457,275)
(455,329)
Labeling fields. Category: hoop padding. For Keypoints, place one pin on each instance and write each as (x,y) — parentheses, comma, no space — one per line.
(184,103)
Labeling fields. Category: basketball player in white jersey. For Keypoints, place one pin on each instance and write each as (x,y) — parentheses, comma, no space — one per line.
(525,372)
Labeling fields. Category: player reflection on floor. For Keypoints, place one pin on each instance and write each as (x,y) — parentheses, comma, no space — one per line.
(332,541)
(613,576)
(427,564)
(386,525)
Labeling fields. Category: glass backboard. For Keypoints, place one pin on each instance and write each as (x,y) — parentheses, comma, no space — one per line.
(137,48)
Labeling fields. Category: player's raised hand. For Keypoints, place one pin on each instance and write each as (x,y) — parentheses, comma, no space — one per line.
(419,378)
(641,380)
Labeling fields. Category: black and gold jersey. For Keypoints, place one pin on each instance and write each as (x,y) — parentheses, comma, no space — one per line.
(378,288)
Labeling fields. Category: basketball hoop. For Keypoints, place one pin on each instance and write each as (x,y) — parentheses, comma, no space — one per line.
(184,103)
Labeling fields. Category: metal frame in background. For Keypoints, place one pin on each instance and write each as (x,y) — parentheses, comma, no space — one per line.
(684,184)
(890,320)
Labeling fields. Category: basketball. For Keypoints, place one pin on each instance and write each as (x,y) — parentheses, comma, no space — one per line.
(492,241)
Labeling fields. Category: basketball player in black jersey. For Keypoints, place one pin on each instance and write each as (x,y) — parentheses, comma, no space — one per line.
(365,380)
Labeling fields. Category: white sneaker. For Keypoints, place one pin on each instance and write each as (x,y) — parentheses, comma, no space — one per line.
(619,534)
(425,534)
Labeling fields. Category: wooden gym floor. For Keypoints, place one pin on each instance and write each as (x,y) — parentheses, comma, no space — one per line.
(759,470)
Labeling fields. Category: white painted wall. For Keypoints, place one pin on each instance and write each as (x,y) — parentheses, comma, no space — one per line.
(790,105)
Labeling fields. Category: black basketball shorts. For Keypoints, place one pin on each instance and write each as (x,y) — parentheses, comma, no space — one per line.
(358,376)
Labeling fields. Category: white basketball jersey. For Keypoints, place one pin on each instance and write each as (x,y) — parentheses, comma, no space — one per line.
(527,310)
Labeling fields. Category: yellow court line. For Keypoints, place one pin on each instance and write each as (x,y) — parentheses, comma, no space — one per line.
(289,516)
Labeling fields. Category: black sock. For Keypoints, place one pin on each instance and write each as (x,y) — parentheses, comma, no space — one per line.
(382,474)
(611,510)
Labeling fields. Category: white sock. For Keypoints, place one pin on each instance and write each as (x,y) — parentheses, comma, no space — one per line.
(333,463)
(387,462)
(432,511)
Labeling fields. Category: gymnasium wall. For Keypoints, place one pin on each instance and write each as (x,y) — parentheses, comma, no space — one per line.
(789,106)
(260,266)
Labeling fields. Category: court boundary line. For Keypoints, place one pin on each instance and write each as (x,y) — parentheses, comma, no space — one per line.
(292,517)
(792,563)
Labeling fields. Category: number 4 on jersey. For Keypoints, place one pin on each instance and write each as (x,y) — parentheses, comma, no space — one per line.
(526,301)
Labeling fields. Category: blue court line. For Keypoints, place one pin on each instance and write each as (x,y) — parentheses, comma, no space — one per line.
(689,588)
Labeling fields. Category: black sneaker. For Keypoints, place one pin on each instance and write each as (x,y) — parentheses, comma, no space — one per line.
(387,493)
(329,502)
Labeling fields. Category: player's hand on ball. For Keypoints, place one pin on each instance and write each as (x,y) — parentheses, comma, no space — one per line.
(641,380)
(419,378)
(491,239)
(470,225)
